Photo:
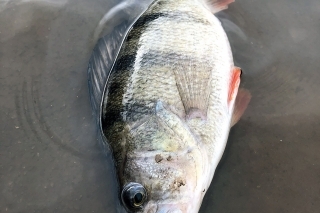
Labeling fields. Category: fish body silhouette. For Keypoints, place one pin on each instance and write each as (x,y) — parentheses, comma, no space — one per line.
(167,104)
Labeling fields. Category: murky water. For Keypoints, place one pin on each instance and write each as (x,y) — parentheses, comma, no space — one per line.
(50,160)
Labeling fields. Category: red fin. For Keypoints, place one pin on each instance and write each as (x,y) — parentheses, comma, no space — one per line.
(241,104)
(234,84)
(218,5)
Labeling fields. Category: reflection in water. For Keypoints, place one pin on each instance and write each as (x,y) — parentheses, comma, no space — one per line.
(49,157)
(124,12)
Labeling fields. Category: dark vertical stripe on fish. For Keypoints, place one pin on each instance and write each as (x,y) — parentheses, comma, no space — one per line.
(178,15)
(117,84)
(143,22)
(146,19)
(124,62)
(138,109)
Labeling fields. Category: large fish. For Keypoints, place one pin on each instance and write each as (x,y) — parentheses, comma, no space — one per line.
(167,103)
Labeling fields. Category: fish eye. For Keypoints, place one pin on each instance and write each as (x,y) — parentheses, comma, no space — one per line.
(133,196)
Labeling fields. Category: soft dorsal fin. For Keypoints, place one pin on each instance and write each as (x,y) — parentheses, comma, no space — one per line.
(241,104)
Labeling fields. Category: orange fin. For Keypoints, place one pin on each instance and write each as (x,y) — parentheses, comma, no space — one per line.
(218,5)
(234,84)
(241,104)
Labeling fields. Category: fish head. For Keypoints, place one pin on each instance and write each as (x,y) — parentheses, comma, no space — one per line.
(164,168)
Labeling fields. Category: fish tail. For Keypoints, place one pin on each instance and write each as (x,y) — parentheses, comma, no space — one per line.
(217,5)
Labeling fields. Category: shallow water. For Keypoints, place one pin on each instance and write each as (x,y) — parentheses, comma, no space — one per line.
(50,160)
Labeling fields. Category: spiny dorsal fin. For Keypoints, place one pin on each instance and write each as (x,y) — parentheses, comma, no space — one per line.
(101,62)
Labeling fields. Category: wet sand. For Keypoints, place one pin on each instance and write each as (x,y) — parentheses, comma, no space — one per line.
(50,160)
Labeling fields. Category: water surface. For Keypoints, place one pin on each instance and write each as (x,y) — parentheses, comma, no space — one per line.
(50,160)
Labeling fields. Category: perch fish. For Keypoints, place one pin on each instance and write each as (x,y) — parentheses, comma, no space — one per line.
(167,103)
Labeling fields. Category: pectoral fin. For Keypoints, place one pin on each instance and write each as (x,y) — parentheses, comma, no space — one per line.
(175,123)
(193,82)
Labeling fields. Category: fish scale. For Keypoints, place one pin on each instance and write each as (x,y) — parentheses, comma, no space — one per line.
(168,103)
(150,81)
